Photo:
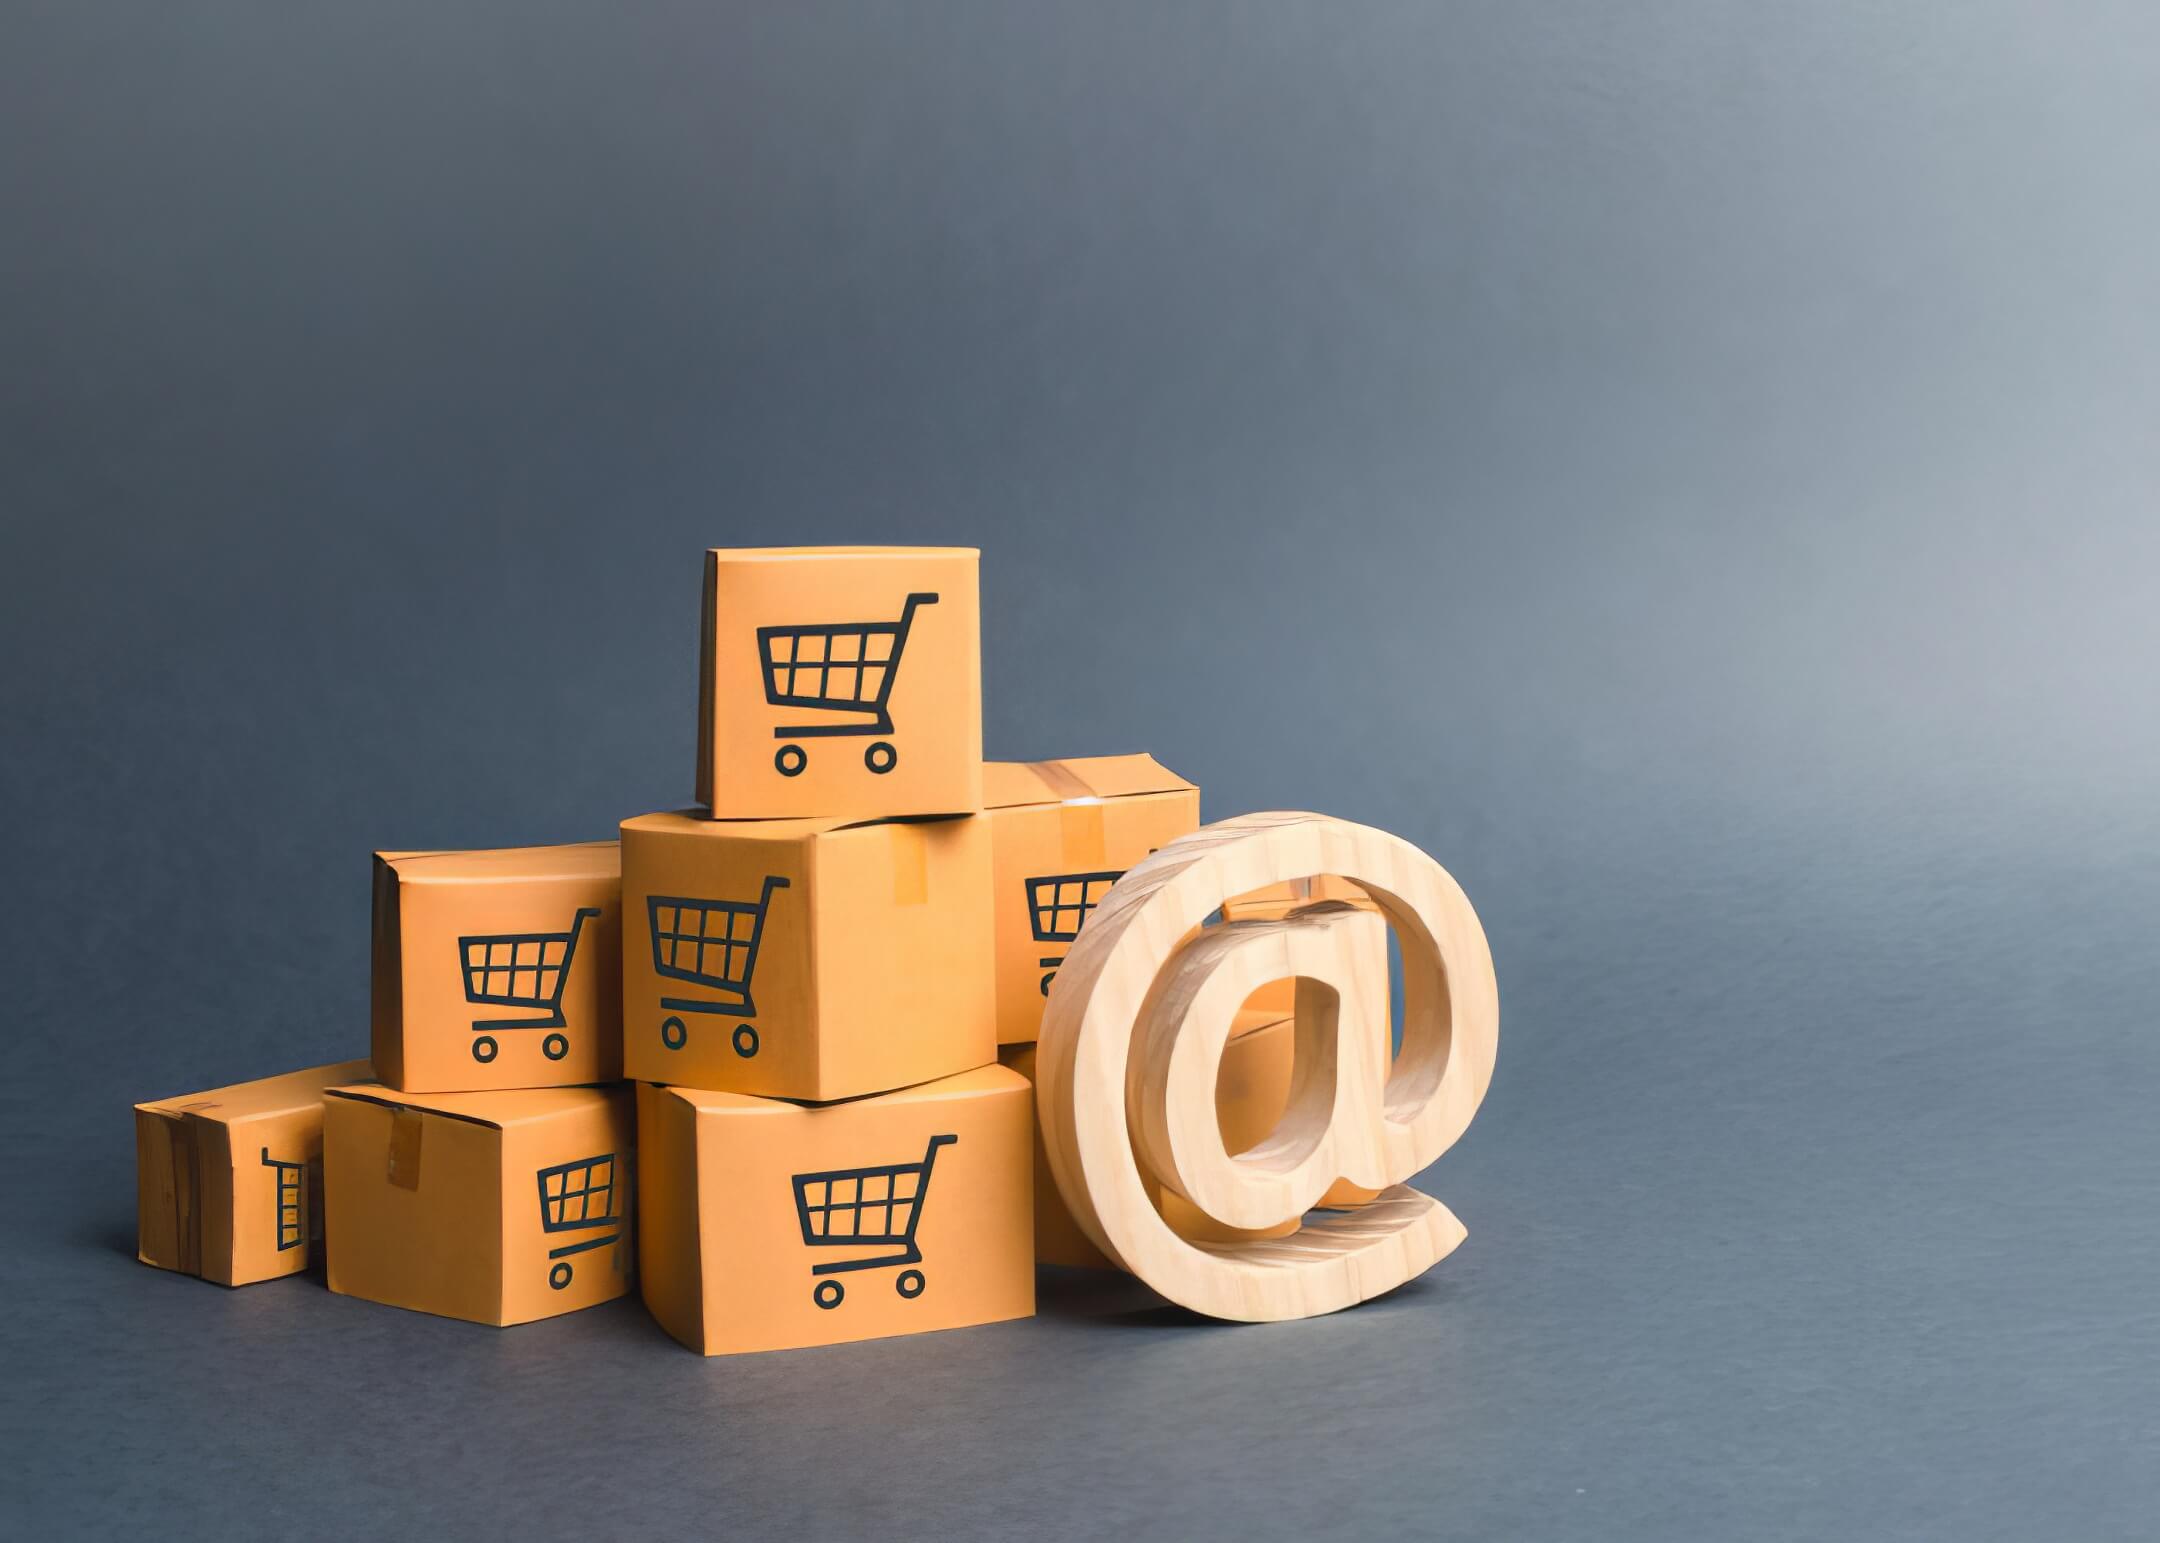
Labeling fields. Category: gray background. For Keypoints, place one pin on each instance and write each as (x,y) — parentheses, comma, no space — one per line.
(1689,466)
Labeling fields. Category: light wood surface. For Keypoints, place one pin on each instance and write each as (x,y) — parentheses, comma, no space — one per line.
(1135,1029)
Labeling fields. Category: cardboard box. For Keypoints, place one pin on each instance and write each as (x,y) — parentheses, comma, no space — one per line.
(766,1225)
(1061,833)
(1252,1089)
(809,959)
(228,1183)
(840,681)
(498,969)
(495,1207)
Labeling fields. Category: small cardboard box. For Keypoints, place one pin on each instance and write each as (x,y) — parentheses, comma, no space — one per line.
(228,1183)
(1252,1088)
(495,1207)
(766,1225)
(840,681)
(809,959)
(1061,833)
(498,969)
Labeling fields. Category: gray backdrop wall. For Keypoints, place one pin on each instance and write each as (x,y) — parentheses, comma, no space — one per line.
(1690,466)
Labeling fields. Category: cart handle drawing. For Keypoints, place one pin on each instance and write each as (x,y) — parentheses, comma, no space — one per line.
(874,705)
(828,1293)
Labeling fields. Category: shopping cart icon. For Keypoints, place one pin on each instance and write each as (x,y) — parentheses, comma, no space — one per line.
(714,944)
(521,969)
(578,1197)
(861,1208)
(1058,903)
(291,1200)
(840,667)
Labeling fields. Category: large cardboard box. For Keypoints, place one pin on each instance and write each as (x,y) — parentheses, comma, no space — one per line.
(495,1207)
(1061,833)
(1252,1088)
(498,969)
(228,1183)
(841,681)
(765,1225)
(809,959)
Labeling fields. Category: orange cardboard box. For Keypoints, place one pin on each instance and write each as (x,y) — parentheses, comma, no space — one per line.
(1061,833)
(495,1207)
(228,1183)
(840,681)
(809,959)
(767,1225)
(1252,1088)
(498,969)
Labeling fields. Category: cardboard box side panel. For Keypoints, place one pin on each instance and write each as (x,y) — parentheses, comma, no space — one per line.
(276,1193)
(166,1185)
(568,1187)
(707,628)
(414,1205)
(1058,1238)
(670,1276)
(386,1027)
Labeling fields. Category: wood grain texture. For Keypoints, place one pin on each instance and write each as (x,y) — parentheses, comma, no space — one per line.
(1135,1028)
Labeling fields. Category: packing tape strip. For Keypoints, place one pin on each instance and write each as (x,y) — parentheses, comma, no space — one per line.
(1061,779)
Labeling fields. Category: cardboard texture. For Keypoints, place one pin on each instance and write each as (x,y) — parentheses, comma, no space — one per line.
(228,1183)
(1061,833)
(840,681)
(494,1207)
(1252,1089)
(807,959)
(767,1225)
(498,969)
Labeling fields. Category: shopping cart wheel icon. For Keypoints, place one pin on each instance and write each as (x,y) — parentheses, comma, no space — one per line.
(828,1294)
(881,758)
(674,1033)
(559,1275)
(789,760)
(746,1040)
(909,1284)
(555,1047)
(484,1049)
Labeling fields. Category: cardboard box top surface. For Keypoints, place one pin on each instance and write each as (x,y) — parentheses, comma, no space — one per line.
(992,1078)
(580,860)
(501,1109)
(696,822)
(1009,784)
(267,1095)
(758,554)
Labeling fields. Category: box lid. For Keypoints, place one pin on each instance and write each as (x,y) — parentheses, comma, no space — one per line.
(501,1109)
(580,860)
(266,1096)
(1009,784)
(992,1078)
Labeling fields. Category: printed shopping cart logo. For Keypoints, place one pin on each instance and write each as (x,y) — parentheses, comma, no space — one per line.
(713,944)
(521,969)
(866,1208)
(1058,903)
(578,1197)
(836,667)
(291,1201)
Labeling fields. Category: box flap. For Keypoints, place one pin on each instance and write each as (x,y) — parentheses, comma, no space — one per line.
(268,1095)
(507,1107)
(696,822)
(1009,784)
(796,554)
(581,860)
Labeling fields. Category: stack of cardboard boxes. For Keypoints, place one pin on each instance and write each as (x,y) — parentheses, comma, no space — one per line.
(769,1058)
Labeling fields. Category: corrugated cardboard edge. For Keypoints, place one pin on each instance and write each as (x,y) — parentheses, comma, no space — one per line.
(708,624)
(386,994)
(1064,781)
